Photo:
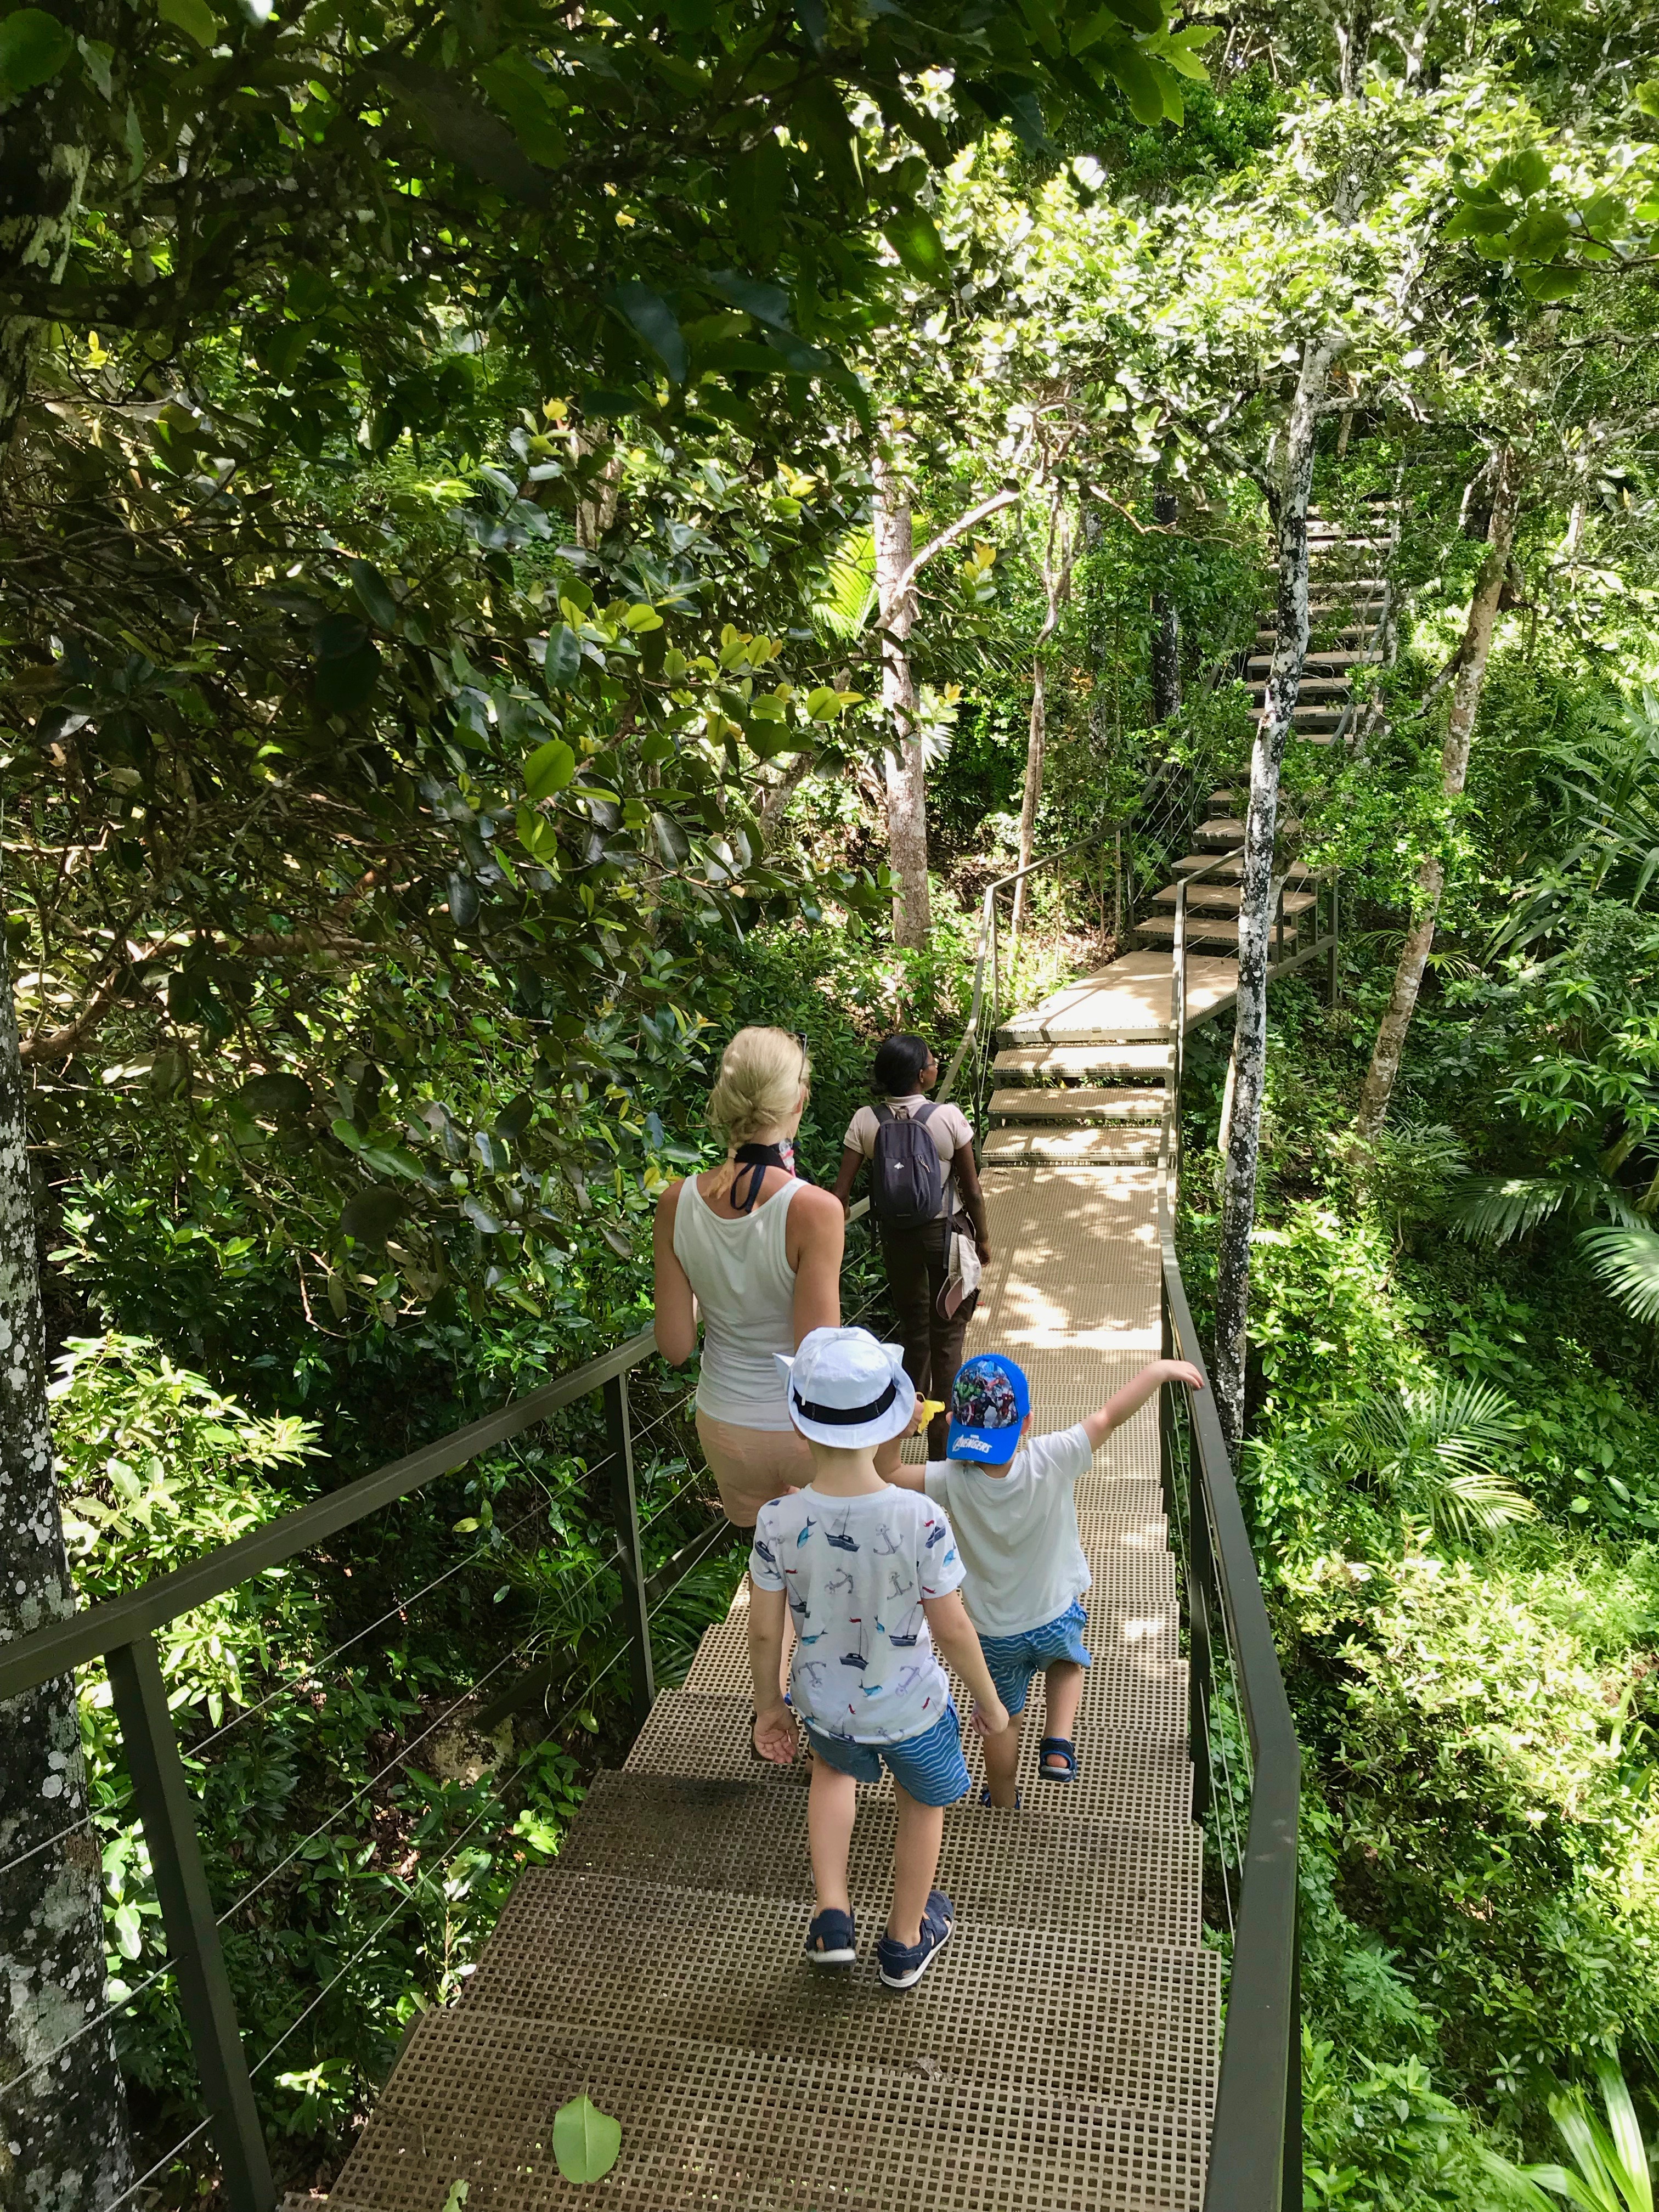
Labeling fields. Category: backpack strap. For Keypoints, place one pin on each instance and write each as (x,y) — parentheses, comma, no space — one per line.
(920,1116)
(885,1113)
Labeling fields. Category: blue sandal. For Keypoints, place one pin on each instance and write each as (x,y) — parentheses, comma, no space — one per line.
(1057,1746)
(903,1965)
(985,1800)
(831,1941)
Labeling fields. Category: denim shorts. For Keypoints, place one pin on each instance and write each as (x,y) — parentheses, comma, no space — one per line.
(930,1767)
(1014,1660)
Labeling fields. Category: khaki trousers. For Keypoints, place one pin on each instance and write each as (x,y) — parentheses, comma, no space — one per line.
(914,1260)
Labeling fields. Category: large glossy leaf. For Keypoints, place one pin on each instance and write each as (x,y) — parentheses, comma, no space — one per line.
(655,321)
(275,1097)
(34,47)
(914,236)
(585,2141)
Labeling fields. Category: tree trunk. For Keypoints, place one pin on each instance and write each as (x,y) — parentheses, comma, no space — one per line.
(907,775)
(64,2143)
(1166,632)
(1472,656)
(1036,739)
(1256,906)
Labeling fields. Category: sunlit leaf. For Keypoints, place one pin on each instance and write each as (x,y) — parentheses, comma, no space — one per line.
(585,2141)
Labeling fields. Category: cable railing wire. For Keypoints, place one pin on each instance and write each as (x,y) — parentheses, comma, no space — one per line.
(85,2027)
(166,2159)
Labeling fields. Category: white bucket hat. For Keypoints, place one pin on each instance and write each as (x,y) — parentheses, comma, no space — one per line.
(846,1389)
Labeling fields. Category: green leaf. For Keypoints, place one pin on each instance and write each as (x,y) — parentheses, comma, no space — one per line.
(193,17)
(275,1097)
(1646,96)
(1139,14)
(914,236)
(1133,74)
(671,841)
(564,656)
(1523,174)
(1546,284)
(585,2141)
(374,594)
(458,2193)
(549,769)
(1174,106)
(1626,1263)
(650,315)
(34,47)
(370,1216)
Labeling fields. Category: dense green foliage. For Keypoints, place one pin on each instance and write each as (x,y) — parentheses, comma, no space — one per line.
(439,683)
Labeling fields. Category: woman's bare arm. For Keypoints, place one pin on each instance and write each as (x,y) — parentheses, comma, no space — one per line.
(851,1162)
(815,1237)
(676,1308)
(966,1169)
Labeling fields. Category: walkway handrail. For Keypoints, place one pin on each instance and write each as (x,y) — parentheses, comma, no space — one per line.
(1255,2140)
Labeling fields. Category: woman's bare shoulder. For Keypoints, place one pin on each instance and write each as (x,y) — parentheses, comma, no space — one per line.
(669,1201)
(818,1208)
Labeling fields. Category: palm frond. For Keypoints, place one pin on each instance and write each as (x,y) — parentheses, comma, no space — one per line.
(1497,1209)
(848,597)
(1436,1451)
(1625,1260)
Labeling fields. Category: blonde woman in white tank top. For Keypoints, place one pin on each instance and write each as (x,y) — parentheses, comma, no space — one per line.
(757,1256)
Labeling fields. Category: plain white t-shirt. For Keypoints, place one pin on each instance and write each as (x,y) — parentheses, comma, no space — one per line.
(1017,1532)
(947,1125)
(857,1571)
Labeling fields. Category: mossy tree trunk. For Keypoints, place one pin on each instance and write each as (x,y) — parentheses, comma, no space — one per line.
(64,2144)
(1256,898)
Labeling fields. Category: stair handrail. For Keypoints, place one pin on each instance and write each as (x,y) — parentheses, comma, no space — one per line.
(1255,2139)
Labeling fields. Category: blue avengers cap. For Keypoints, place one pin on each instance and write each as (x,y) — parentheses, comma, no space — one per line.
(990,1401)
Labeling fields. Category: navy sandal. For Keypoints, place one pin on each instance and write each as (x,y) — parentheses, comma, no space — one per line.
(903,1965)
(1057,1746)
(831,1941)
(985,1800)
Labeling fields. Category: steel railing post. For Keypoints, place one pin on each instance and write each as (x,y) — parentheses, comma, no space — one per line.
(1200,1597)
(1178,995)
(162,1797)
(1293,2182)
(1331,976)
(625,1518)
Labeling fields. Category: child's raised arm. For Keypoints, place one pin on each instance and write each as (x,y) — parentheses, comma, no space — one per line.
(1133,1395)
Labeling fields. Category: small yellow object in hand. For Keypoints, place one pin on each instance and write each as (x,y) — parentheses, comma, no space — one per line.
(931,1408)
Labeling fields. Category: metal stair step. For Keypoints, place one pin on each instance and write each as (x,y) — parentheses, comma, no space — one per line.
(1229,895)
(1134,1774)
(1081,1146)
(1203,929)
(707,2125)
(1037,1063)
(1232,867)
(1083,1102)
(567,1955)
(1311,688)
(695,1832)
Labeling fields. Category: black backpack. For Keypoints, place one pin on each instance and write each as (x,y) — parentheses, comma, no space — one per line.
(909,1175)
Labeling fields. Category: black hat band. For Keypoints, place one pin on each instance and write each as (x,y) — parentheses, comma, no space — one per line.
(846,1417)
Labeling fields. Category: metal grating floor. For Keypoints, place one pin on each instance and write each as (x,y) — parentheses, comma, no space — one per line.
(1061,2055)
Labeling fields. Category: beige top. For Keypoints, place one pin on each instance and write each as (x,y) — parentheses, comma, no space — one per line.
(948,1126)
(745,1286)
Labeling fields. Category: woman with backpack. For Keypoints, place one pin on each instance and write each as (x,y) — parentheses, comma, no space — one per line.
(924,1178)
(756,1255)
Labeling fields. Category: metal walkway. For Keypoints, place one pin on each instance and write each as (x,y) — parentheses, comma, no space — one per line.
(1062,2053)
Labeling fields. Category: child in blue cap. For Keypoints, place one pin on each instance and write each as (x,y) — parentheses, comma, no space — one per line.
(1012,1506)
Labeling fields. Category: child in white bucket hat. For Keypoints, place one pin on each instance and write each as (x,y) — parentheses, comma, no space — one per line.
(870,1574)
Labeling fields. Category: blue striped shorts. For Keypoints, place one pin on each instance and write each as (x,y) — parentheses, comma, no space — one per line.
(1014,1660)
(928,1767)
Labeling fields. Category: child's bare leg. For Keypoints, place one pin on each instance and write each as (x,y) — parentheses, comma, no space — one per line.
(915,1861)
(1062,1695)
(1002,1763)
(832,1804)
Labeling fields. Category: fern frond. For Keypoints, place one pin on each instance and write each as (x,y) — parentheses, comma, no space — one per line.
(1497,1209)
(1625,1262)
(848,599)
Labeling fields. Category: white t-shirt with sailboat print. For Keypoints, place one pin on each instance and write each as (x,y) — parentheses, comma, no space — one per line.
(856,1571)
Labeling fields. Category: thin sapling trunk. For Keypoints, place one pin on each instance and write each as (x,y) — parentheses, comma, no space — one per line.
(1472,656)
